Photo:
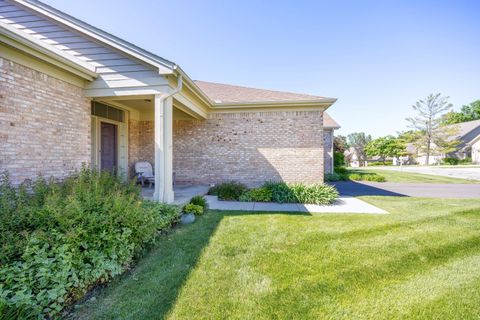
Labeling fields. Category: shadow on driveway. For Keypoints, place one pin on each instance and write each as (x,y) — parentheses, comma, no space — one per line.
(424,190)
(356,189)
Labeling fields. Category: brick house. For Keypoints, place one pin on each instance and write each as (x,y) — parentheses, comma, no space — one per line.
(71,94)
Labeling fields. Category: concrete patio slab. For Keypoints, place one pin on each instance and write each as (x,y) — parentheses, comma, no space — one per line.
(182,193)
(342,205)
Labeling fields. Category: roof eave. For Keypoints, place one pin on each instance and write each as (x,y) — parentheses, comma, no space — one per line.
(30,45)
(164,66)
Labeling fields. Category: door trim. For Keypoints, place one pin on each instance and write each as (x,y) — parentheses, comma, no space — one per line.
(122,144)
(115,167)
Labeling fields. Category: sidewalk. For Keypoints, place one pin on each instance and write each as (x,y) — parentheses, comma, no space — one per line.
(342,205)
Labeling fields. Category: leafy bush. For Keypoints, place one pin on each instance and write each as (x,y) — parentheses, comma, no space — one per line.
(355,176)
(467,160)
(333,176)
(257,195)
(314,194)
(228,190)
(340,170)
(374,177)
(200,201)
(301,193)
(59,239)
(11,312)
(193,208)
(450,161)
(338,159)
(379,163)
(281,192)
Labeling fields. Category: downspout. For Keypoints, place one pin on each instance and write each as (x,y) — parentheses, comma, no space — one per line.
(160,193)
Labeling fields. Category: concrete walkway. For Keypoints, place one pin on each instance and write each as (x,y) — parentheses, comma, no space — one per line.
(342,205)
(426,190)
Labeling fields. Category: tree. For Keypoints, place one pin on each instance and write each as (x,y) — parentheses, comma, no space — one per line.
(384,147)
(467,113)
(358,141)
(340,144)
(427,122)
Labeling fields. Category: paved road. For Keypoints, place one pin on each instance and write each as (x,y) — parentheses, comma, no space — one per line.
(472,173)
(428,190)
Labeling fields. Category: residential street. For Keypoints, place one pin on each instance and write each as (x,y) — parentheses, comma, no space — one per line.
(431,190)
(472,173)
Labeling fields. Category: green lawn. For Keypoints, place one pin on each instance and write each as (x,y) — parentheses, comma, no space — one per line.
(419,262)
(409,177)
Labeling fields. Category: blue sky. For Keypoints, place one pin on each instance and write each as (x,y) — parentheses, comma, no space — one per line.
(376,57)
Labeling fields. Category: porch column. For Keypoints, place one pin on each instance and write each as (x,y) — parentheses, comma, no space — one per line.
(168,163)
(163,149)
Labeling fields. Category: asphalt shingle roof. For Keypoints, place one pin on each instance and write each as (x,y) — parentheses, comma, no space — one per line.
(226,93)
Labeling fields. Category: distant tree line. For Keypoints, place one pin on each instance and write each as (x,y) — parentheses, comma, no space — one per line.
(430,130)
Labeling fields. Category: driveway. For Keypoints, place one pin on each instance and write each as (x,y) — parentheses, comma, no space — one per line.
(427,190)
(472,173)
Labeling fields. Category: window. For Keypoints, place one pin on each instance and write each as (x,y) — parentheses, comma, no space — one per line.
(108,112)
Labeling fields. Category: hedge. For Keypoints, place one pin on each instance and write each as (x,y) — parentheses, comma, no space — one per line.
(57,240)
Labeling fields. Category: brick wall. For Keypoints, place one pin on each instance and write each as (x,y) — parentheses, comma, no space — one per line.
(44,124)
(249,147)
(140,143)
(328,145)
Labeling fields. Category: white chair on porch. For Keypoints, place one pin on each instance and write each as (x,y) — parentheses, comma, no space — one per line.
(144,173)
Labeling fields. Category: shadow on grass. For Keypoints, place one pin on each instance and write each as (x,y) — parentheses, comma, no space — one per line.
(150,290)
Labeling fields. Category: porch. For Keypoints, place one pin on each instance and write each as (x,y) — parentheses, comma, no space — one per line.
(135,128)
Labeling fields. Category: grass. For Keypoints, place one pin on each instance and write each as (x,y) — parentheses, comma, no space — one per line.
(409,177)
(419,262)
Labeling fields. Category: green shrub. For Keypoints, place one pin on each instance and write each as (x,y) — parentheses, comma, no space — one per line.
(193,208)
(363,176)
(281,192)
(301,193)
(450,161)
(379,163)
(200,201)
(60,239)
(467,160)
(338,159)
(228,190)
(373,177)
(332,177)
(315,193)
(11,312)
(257,195)
(340,170)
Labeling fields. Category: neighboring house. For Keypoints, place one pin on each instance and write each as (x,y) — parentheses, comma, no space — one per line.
(353,159)
(475,149)
(465,132)
(329,126)
(72,94)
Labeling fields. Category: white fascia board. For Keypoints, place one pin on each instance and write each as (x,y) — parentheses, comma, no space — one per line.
(324,103)
(130,91)
(19,38)
(164,66)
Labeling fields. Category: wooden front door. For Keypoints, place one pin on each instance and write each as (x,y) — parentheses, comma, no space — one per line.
(108,145)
